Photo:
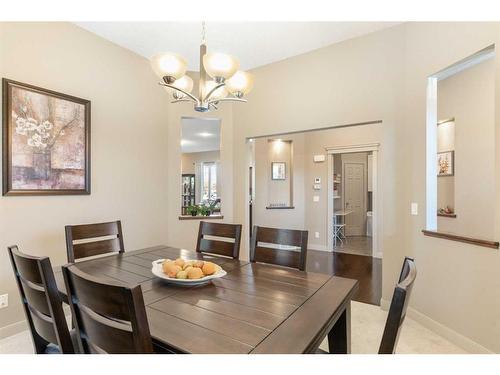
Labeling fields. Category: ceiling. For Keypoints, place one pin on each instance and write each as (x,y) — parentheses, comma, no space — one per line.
(200,134)
(253,43)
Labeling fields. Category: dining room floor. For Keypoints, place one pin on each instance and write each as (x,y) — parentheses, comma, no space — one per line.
(357,245)
(367,324)
(367,270)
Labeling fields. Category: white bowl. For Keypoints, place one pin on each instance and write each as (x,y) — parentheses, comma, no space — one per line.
(158,272)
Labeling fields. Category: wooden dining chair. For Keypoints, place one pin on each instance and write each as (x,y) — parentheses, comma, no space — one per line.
(93,239)
(399,304)
(109,318)
(41,302)
(216,246)
(288,237)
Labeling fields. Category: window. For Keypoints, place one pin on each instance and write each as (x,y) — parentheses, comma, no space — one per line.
(209,178)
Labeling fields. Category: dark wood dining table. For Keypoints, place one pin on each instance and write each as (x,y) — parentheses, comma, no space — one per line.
(255,308)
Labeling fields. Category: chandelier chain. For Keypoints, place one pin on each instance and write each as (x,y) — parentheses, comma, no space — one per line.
(203,33)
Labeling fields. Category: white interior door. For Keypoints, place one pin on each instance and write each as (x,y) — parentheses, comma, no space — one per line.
(354,198)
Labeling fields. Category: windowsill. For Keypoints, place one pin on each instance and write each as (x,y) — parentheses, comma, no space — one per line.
(201,217)
(280,208)
(454,237)
(453,216)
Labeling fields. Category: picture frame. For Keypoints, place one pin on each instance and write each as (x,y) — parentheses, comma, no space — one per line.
(45,141)
(446,163)
(278,171)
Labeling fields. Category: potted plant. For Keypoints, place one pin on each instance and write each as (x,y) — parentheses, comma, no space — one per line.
(192,210)
(204,210)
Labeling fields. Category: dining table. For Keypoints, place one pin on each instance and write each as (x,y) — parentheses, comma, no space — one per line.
(255,308)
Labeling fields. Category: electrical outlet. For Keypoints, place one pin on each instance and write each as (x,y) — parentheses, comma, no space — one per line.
(414,208)
(316,234)
(4,301)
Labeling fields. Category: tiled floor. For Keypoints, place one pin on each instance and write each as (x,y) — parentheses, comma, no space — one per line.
(357,245)
(367,326)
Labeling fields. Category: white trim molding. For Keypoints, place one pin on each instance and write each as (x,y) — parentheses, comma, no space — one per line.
(454,337)
(318,247)
(13,329)
(353,148)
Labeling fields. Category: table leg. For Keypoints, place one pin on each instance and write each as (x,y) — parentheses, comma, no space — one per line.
(339,337)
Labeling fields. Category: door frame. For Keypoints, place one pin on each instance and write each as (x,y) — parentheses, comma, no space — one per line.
(374,148)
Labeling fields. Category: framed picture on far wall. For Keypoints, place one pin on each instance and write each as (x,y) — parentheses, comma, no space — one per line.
(278,170)
(46,141)
(446,163)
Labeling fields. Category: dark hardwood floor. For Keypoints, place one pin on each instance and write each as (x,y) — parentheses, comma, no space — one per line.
(365,269)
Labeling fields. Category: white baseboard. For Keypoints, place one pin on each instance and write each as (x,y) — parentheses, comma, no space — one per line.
(453,336)
(319,247)
(18,327)
(13,329)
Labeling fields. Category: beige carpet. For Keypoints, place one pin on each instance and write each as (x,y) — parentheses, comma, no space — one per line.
(366,329)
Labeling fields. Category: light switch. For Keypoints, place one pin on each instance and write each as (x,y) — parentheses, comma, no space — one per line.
(414,208)
(316,198)
(4,301)
(316,234)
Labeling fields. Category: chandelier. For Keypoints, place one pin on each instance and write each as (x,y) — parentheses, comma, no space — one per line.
(220,80)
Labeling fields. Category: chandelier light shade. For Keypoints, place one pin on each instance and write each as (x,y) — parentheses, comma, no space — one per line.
(240,83)
(169,65)
(220,66)
(185,84)
(227,84)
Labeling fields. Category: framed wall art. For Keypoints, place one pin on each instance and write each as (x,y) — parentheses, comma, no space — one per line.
(446,163)
(46,141)
(278,170)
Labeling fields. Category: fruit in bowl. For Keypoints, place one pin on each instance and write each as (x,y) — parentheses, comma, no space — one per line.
(188,269)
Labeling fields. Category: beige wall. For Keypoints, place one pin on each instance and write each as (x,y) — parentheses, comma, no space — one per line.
(267,191)
(469,96)
(129,144)
(383,76)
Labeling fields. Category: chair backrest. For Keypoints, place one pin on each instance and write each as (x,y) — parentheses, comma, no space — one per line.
(288,237)
(109,318)
(41,301)
(215,246)
(399,304)
(87,239)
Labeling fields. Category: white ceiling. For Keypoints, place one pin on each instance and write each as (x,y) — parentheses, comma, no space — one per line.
(200,134)
(253,43)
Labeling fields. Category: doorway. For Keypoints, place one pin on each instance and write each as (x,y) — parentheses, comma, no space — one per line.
(352,208)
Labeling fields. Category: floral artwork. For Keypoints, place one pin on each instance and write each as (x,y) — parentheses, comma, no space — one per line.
(45,142)
(445,163)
